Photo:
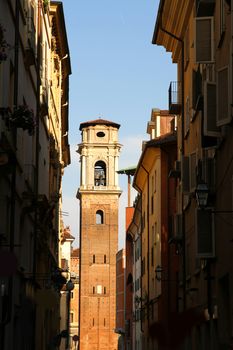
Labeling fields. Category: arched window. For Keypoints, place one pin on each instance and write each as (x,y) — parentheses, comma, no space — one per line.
(99,217)
(100,173)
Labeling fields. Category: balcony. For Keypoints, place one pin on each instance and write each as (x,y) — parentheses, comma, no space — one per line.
(174,94)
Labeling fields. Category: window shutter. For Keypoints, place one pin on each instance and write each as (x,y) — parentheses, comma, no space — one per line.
(204,52)
(185,174)
(4,210)
(32,29)
(187,115)
(196,88)
(193,171)
(177,229)
(210,125)
(208,173)
(223,97)
(205,233)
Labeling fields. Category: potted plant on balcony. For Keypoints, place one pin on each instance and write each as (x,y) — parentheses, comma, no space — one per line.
(3,45)
(46,5)
(23,117)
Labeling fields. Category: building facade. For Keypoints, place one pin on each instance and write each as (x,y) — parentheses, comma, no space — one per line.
(99,195)
(199,36)
(134,232)
(120,298)
(157,298)
(74,302)
(33,156)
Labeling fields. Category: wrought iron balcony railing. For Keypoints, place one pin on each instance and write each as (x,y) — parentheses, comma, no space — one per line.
(174,95)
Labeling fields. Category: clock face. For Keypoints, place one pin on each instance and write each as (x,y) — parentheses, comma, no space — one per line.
(100,134)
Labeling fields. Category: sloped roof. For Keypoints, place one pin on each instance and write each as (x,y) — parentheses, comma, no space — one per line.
(66,235)
(128,171)
(98,122)
(75,253)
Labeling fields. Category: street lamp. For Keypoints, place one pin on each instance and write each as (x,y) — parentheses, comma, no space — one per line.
(202,193)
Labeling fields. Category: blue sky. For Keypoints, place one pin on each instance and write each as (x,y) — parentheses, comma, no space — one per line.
(117,74)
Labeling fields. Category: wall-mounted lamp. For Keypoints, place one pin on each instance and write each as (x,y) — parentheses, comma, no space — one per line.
(202,193)
(158,273)
(69,286)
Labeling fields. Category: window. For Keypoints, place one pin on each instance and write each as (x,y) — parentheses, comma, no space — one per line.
(204,43)
(187,115)
(152,204)
(222,14)
(152,256)
(186,48)
(94,259)
(100,134)
(100,173)
(93,290)
(99,217)
(104,290)
(143,221)
(104,322)
(71,317)
(72,295)
(155,177)
(93,322)
(105,259)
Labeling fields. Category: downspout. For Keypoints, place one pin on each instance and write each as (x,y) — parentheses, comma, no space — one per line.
(148,243)
(182,146)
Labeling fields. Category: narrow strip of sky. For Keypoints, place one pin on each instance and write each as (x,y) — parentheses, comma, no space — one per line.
(116,74)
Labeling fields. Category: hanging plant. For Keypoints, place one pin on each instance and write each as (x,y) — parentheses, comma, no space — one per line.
(3,45)
(46,5)
(23,117)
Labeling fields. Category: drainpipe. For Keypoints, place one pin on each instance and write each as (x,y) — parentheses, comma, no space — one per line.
(148,243)
(182,146)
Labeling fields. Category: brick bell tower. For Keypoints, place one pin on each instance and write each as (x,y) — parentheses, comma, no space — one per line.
(99,196)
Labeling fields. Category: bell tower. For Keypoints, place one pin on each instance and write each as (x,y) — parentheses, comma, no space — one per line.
(99,194)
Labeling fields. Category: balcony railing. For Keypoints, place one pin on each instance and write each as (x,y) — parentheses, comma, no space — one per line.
(174,94)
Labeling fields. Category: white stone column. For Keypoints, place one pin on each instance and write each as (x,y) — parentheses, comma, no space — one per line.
(116,168)
(83,170)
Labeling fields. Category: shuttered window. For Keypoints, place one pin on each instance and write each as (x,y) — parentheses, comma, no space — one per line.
(187,115)
(210,125)
(185,174)
(208,173)
(196,88)
(193,171)
(5,215)
(223,97)
(204,52)
(205,233)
